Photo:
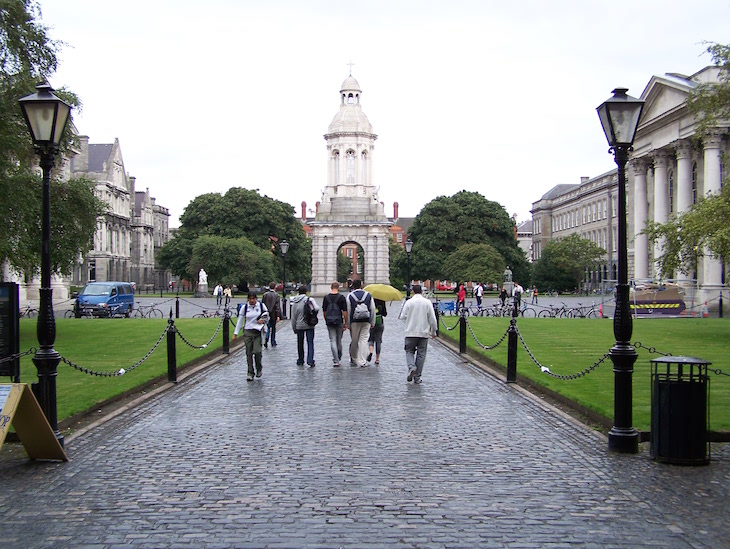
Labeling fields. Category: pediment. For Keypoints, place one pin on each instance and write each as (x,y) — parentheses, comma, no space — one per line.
(665,94)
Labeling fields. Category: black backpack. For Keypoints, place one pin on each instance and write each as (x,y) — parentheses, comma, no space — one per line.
(310,313)
(333,313)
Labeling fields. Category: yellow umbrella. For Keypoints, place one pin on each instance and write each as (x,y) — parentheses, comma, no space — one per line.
(384,292)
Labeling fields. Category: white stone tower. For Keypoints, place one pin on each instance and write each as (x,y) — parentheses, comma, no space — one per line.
(350,210)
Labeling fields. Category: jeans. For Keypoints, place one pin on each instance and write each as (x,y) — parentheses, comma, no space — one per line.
(271,334)
(416,348)
(335,333)
(309,333)
(360,331)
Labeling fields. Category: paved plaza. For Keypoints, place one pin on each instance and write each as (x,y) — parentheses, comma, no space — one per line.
(354,457)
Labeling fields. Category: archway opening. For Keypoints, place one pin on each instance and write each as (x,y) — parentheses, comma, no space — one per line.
(350,262)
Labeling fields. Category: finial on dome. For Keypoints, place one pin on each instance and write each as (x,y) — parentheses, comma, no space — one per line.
(351,64)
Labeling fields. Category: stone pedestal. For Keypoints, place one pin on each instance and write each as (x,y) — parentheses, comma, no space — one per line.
(202,290)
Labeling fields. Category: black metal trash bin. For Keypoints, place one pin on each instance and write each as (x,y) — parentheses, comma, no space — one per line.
(679,410)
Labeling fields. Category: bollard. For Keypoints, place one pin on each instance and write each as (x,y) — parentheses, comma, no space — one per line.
(160,292)
(512,351)
(177,306)
(171,355)
(462,331)
(226,331)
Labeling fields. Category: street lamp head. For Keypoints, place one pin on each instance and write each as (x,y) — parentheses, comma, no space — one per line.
(284,246)
(620,117)
(46,116)
(409,246)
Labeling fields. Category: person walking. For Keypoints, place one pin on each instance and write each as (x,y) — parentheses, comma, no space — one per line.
(252,317)
(218,293)
(478,293)
(334,306)
(375,341)
(420,324)
(304,329)
(460,298)
(228,295)
(503,295)
(273,304)
(534,295)
(361,313)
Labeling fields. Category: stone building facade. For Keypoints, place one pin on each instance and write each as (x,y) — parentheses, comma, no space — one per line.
(670,167)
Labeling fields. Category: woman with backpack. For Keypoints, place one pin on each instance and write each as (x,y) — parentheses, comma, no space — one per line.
(376,332)
(303,320)
(252,317)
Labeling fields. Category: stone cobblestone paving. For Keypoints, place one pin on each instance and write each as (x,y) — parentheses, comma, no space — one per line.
(355,457)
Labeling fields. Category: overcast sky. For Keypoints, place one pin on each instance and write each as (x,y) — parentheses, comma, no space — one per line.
(493,97)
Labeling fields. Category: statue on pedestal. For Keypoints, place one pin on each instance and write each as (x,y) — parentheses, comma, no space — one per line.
(202,289)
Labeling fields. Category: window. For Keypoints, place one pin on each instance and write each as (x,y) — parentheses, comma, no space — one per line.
(584,215)
(605,208)
(399,237)
(350,167)
(595,211)
(613,206)
(694,182)
(671,191)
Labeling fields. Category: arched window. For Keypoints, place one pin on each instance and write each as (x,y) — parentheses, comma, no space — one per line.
(694,182)
(336,160)
(364,167)
(671,191)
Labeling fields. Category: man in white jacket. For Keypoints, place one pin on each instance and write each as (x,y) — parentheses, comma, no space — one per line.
(421,324)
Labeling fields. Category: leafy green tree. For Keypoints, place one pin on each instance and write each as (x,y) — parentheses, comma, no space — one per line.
(477,262)
(563,263)
(684,238)
(344,267)
(232,261)
(398,264)
(27,57)
(175,257)
(446,223)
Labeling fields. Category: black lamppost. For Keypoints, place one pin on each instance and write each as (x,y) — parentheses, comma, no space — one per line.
(620,117)
(409,248)
(46,116)
(284,246)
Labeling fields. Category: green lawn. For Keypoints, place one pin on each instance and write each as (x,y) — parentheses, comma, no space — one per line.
(106,345)
(569,346)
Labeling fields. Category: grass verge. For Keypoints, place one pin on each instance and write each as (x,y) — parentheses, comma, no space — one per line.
(569,346)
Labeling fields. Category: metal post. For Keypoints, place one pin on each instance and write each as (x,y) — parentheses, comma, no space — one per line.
(171,354)
(177,306)
(408,284)
(512,351)
(462,330)
(46,358)
(622,437)
(226,331)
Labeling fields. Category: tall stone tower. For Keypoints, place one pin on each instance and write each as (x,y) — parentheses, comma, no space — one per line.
(350,210)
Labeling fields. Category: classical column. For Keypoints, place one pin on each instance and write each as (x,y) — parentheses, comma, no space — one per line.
(684,175)
(641,206)
(661,196)
(712,268)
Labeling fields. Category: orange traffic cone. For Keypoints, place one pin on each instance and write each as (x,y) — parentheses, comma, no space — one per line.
(600,310)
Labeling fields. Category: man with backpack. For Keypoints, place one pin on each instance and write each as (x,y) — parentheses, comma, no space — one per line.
(334,306)
(273,303)
(361,313)
(303,319)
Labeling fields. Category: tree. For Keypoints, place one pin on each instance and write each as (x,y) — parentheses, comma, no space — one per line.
(28,56)
(232,261)
(684,238)
(563,263)
(398,264)
(477,262)
(446,223)
(344,267)
(240,213)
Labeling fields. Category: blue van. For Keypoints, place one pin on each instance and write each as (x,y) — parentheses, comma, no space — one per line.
(105,299)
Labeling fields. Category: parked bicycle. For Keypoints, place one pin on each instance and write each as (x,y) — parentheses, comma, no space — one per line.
(554,311)
(209,314)
(29,311)
(147,311)
(585,311)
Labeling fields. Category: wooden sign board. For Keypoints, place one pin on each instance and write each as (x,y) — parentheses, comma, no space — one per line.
(21,410)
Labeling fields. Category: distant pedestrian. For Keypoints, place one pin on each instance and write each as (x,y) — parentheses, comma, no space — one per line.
(252,317)
(218,294)
(361,313)
(334,306)
(227,295)
(478,293)
(460,297)
(375,341)
(517,294)
(301,327)
(534,295)
(503,295)
(273,303)
(420,324)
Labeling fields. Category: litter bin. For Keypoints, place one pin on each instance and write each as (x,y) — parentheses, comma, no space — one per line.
(679,410)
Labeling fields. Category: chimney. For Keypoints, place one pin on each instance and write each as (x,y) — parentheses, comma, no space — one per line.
(316,207)
(81,160)
(584,179)
(395,210)
(304,211)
